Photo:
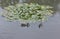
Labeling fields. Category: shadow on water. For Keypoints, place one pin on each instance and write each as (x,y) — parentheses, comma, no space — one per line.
(4,3)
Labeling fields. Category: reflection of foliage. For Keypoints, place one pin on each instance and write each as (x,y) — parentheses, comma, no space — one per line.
(4,3)
(49,2)
(33,12)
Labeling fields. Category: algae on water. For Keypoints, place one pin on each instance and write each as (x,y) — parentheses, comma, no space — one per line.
(28,12)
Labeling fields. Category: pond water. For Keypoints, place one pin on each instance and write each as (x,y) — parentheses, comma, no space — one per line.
(49,30)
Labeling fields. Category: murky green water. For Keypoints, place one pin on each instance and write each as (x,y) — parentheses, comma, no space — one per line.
(13,30)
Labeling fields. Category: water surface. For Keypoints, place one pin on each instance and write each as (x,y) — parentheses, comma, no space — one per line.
(49,30)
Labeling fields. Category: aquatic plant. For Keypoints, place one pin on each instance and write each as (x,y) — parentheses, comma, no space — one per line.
(28,12)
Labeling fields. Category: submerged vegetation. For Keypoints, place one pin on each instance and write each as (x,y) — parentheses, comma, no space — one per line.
(28,12)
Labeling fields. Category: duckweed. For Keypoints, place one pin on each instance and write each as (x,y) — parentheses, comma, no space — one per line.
(28,12)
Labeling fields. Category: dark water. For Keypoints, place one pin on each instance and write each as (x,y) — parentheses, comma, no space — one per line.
(49,30)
